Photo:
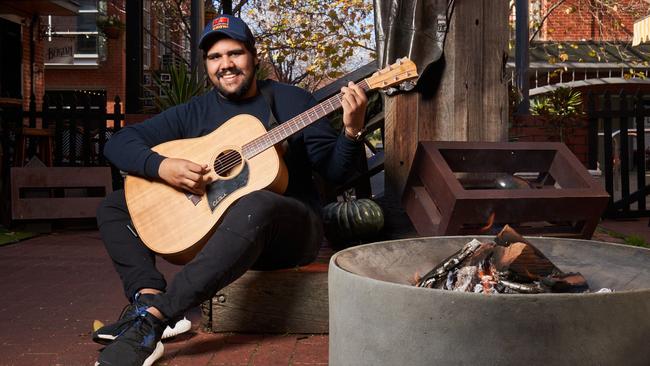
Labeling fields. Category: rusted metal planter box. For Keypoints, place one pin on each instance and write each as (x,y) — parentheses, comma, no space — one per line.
(568,205)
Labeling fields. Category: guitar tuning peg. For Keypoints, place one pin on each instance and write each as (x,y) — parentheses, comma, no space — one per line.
(399,61)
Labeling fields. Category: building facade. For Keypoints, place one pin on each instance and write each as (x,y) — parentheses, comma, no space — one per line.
(97,67)
(22,40)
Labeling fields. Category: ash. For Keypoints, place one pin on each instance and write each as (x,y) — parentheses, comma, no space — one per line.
(509,265)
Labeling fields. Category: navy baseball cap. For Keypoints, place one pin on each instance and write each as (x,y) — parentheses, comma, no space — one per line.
(229,26)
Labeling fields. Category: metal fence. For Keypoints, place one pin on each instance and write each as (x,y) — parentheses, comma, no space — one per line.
(619,124)
(78,132)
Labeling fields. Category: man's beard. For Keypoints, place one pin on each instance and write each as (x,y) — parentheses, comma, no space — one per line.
(241,91)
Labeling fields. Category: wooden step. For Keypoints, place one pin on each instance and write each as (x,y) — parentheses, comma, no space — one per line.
(282,301)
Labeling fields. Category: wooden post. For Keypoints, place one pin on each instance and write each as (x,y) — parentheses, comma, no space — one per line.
(471,103)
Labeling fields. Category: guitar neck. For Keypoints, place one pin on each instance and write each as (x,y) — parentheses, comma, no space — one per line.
(294,125)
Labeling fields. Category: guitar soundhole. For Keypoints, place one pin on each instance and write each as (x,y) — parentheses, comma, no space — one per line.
(227,163)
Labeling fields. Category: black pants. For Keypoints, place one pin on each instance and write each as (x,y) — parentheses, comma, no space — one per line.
(263,231)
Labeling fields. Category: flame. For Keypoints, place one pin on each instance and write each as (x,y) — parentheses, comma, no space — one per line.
(489,223)
(415,280)
(486,283)
(486,277)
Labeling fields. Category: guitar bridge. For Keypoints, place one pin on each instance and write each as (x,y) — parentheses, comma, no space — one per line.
(195,199)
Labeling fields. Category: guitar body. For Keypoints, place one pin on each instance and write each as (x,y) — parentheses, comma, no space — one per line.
(176,224)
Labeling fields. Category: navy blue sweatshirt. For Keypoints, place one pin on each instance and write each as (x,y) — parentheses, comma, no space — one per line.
(316,147)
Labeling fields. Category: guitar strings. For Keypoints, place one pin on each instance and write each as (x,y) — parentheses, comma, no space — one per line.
(233,158)
(227,161)
(312,114)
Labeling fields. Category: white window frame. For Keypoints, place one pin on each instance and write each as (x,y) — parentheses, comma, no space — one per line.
(81,60)
(146,36)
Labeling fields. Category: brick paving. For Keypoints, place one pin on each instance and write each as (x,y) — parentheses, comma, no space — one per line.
(53,286)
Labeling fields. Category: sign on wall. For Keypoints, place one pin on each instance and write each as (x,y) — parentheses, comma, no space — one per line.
(60,50)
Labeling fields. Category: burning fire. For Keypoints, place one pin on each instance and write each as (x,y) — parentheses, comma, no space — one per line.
(487,280)
(489,224)
(415,279)
(510,264)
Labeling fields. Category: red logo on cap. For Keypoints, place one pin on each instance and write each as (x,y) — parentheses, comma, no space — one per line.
(220,23)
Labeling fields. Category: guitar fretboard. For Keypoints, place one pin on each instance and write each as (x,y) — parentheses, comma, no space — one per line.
(297,123)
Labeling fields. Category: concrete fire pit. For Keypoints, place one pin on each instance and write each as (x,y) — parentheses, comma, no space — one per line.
(377,318)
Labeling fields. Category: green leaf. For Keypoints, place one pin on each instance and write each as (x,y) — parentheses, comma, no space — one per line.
(181,87)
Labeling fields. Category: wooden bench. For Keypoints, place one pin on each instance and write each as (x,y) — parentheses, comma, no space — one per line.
(283,301)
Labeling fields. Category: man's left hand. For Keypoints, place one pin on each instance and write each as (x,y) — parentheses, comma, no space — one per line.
(354,104)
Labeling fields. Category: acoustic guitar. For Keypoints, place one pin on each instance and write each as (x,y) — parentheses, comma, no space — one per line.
(241,157)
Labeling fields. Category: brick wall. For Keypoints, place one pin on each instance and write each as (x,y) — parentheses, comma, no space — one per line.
(110,75)
(537,129)
(576,20)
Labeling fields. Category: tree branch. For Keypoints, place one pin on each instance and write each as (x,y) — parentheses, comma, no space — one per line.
(168,45)
(238,7)
(541,23)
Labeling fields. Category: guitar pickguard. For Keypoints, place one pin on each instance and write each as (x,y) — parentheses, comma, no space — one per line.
(220,189)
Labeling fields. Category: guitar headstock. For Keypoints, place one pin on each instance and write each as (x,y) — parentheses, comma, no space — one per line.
(402,70)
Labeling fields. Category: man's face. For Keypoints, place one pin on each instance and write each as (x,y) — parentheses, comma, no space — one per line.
(231,68)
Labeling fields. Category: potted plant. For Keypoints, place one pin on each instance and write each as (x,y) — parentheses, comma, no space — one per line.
(562,110)
(110,25)
(178,87)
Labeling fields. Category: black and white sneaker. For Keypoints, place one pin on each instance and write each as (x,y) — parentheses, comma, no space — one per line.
(138,345)
(106,334)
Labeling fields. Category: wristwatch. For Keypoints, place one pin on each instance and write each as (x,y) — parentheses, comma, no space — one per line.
(357,136)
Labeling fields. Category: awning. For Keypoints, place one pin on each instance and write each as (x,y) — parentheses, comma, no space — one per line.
(41,7)
(641,31)
(587,55)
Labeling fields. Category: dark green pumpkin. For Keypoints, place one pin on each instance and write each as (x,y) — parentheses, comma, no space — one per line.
(352,221)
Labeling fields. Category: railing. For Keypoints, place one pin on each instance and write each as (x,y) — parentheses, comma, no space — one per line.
(618,128)
(545,77)
(79,132)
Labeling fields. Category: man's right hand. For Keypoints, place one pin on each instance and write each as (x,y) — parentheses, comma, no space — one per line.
(184,174)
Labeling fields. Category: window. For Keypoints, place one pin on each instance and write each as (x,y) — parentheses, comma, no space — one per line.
(79,32)
(146,37)
(10,62)
(163,38)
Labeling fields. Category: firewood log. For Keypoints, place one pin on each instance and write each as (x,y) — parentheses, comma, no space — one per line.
(522,262)
(566,282)
(508,235)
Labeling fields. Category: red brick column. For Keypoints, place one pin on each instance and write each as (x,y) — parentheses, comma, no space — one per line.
(38,67)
